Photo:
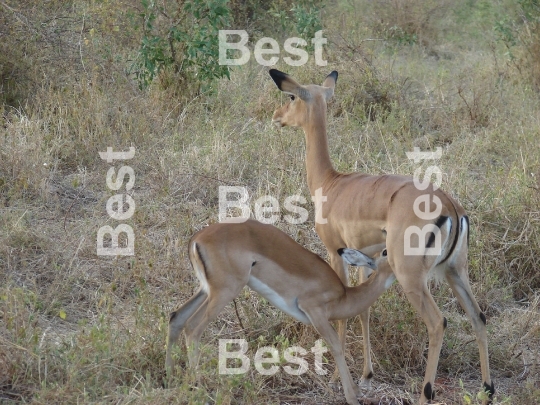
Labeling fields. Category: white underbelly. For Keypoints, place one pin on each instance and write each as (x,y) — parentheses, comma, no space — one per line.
(289,307)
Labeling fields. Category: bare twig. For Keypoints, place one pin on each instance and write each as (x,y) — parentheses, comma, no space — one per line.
(80,46)
(238,315)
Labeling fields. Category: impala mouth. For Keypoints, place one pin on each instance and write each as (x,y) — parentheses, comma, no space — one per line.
(277,122)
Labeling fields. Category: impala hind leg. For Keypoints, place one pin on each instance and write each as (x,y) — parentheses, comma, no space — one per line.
(459,282)
(178,320)
(419,296)
(206,313)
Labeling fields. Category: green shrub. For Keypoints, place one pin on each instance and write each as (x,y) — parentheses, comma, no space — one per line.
(520,33)
(182,36)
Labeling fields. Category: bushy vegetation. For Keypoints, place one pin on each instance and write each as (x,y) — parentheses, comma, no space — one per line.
(78,328)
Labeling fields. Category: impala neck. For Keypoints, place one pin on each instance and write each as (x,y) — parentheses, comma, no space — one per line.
(318,165)
(359,298)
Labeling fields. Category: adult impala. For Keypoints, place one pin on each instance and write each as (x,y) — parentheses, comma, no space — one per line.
(228,256)
(362,210)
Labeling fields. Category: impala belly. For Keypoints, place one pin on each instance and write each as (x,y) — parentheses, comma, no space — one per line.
(290,308)
(360,234)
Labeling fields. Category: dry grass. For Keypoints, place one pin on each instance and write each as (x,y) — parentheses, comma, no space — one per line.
(75,327)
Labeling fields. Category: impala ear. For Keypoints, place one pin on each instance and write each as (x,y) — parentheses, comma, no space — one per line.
(278,77)
(356,258)
(330,84)
(331,79)
(287,84)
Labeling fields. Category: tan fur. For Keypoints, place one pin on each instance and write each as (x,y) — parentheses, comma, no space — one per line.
(363,210)
(227,256)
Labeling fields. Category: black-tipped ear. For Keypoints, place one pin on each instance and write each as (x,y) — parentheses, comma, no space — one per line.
(333,75)
(357,258)
(278,77)
(288,85)
(331,80)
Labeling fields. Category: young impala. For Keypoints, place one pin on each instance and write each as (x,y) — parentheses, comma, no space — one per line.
(228,256)
(362,210)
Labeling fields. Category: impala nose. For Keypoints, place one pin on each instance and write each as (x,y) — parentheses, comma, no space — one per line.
(277,122)
(276,119)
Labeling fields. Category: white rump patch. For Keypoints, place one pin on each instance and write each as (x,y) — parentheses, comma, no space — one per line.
(199,272)
(461,241)
(437,271)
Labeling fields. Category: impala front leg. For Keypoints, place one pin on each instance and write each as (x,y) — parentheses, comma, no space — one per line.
(367,373)
(341,269)
(323,326)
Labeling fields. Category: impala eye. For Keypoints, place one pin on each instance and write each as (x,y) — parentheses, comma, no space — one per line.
(292,97)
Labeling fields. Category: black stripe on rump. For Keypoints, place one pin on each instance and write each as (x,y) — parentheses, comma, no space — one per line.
(456,237)
(440,221)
